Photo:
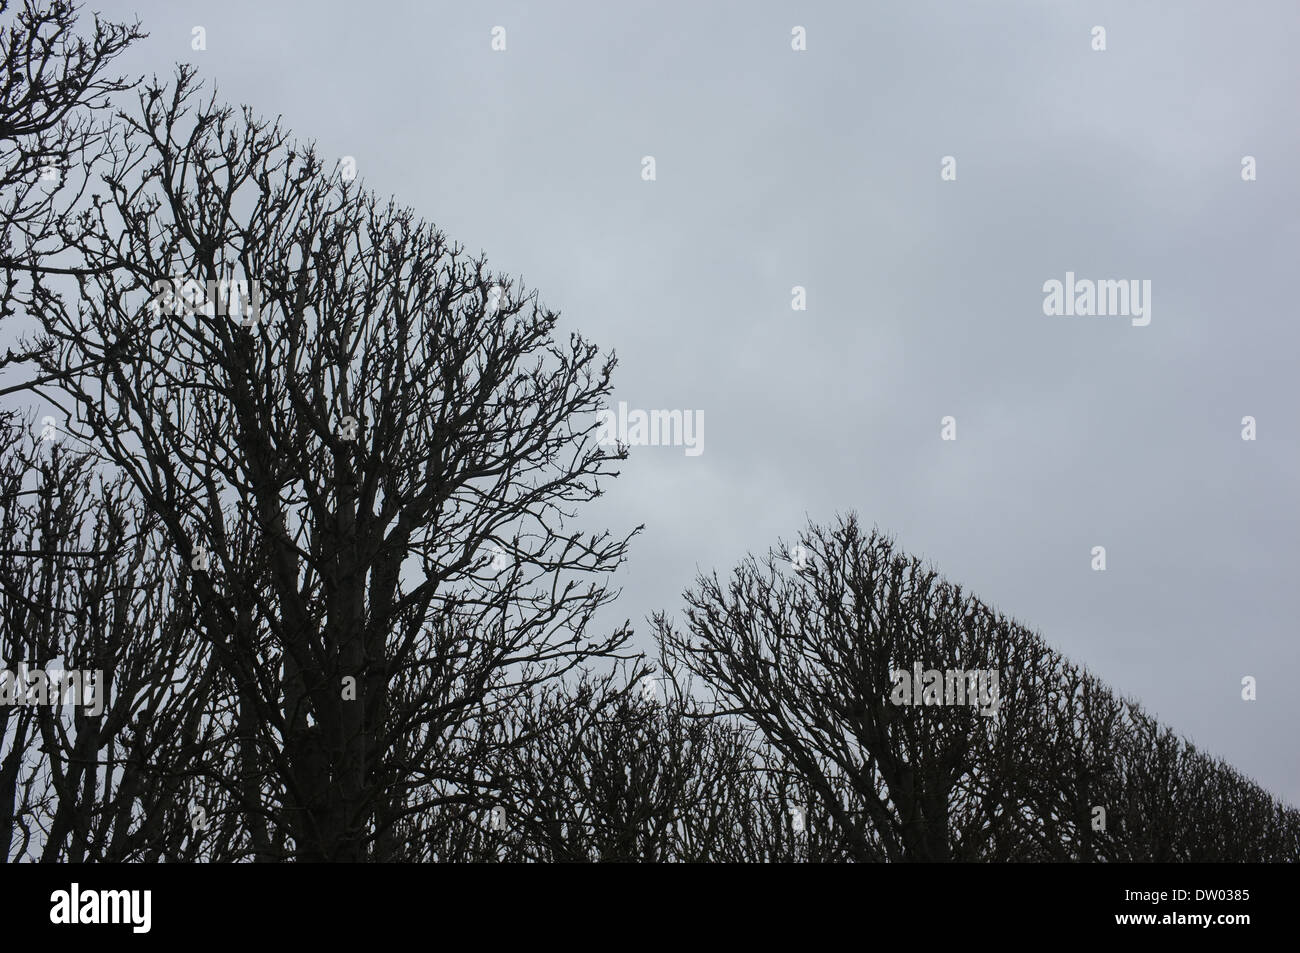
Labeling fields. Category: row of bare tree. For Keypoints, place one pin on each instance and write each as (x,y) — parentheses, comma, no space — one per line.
(323,533)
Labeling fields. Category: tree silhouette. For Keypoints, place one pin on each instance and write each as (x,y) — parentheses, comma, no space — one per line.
(370,476)
(79,782)
(807,656)
(54,93)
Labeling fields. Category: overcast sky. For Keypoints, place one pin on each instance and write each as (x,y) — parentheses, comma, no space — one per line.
(821,168)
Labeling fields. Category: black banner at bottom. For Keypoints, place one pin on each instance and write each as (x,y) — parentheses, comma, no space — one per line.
(241,903)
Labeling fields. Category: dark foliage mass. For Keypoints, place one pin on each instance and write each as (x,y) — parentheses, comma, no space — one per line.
(314,506)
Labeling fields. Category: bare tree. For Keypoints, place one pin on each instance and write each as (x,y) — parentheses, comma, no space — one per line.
(54,89)
(622,768)
(812,651)
(92,595)
(625,774)
(368,460)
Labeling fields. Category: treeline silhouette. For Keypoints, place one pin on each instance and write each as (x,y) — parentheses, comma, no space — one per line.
(322,533)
